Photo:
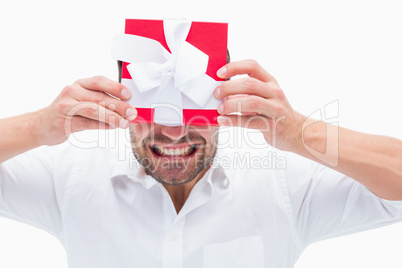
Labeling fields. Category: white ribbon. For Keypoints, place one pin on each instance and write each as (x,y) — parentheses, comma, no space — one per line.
(182,71)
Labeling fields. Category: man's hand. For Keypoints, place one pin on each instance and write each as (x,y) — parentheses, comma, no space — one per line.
(372,160)
(93,103)
(261,102)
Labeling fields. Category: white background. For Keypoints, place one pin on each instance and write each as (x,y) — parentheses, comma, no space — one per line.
(319,51)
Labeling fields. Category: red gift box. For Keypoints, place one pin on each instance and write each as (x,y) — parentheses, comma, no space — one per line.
(207,37)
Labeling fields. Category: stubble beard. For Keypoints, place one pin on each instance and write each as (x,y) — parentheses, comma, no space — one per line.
(177,172)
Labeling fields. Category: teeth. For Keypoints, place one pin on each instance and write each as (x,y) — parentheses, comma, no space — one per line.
(165,151)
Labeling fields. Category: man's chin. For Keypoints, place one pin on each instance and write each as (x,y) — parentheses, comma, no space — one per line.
(172,176)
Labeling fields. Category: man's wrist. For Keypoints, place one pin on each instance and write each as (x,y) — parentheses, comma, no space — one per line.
(314,135)
(34,127)
(19,134)
(320,142)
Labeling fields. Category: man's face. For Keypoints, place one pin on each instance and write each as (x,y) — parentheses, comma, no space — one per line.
(173,155)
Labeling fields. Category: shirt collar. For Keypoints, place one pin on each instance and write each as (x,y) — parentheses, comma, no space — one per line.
(130,168)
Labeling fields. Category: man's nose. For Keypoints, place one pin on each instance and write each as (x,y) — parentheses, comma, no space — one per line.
(175,133)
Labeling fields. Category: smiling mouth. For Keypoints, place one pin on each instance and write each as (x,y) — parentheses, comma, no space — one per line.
(174,151)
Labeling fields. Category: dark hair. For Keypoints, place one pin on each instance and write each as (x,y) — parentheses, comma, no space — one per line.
(120,65)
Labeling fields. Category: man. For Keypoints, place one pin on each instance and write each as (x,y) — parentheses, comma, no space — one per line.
(185,207)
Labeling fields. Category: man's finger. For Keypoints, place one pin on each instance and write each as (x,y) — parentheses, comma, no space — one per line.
(114,104)
(249,67)
(248,86)
(99,113)
(257,122)
(79,123)
(107,85)
(248,105)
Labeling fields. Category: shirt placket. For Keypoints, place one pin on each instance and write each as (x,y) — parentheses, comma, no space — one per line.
(173,249)
(172,253)
(173,246)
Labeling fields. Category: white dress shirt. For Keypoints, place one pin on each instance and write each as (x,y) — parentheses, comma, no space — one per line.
(253,208)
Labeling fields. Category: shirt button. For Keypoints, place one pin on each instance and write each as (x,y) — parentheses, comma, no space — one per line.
(175,237)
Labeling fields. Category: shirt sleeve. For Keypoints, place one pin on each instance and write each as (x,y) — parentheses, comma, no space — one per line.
(326,203)
(27,190)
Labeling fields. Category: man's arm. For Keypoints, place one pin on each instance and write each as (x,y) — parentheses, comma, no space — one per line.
(374,161)
(93,103)
(17,135)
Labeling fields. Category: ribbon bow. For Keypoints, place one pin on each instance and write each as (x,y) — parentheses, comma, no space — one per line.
(182,71)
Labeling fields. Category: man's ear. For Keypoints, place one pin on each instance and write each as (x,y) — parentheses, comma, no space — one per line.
(120,67)
(227,60)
